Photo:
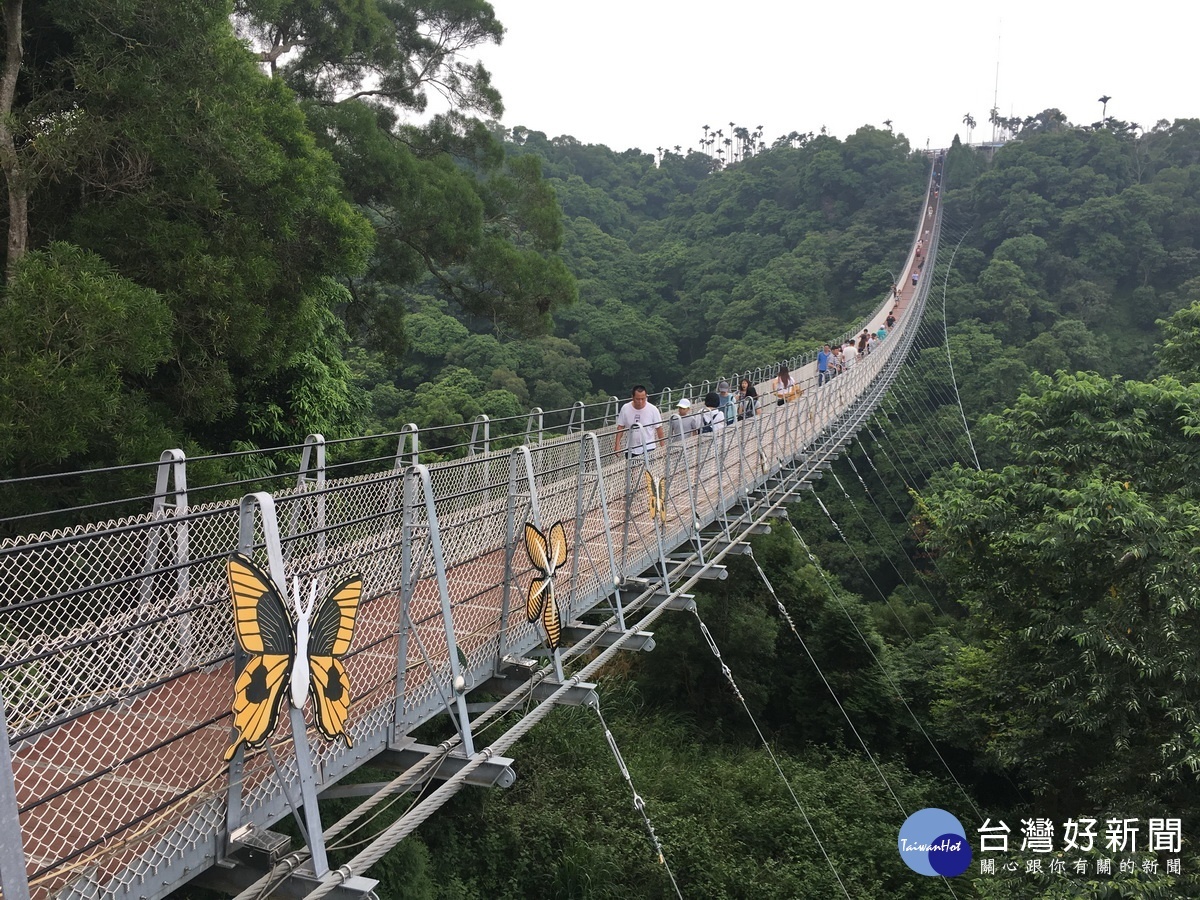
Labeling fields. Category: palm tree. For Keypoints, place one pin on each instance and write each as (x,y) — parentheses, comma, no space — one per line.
(969,121)
(1103,108)
(994,118)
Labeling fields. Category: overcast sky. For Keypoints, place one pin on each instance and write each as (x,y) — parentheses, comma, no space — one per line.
(645,73)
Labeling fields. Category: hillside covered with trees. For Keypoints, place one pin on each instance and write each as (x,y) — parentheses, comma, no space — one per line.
(1011,641)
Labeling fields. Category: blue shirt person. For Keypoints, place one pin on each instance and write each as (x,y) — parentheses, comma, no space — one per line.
(727,405)
(823,358)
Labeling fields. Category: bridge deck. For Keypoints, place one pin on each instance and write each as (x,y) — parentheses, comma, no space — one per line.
(117,665)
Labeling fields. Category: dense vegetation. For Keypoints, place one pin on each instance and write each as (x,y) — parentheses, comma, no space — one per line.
(1025,629)
(227,236)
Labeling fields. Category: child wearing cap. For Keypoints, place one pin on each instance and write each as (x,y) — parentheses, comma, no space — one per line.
(686,423)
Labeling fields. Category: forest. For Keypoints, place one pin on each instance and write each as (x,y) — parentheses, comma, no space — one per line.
(230,235)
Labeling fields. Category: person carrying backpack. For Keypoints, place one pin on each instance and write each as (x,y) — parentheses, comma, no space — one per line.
(713,417)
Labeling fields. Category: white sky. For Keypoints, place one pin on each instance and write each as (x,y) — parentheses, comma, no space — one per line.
(645,73)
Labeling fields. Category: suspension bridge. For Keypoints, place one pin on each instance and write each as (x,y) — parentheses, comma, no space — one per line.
(126,769)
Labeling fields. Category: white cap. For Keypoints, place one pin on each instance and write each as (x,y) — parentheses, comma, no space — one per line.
(685,403)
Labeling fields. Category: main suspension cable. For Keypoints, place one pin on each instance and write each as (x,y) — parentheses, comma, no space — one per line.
(712,645)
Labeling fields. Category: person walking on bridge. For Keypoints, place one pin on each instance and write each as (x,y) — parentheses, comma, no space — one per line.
(728,405)
(747,399)
(783,387)
(823,358)
(686,423)
(639,411)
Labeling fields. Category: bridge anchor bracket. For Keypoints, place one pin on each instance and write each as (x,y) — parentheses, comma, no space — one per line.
(253,852)
(496,772)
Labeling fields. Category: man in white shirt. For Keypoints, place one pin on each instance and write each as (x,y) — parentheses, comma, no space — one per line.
(639,411)
(850,354)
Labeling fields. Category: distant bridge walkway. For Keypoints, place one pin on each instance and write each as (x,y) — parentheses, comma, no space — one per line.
(117,650)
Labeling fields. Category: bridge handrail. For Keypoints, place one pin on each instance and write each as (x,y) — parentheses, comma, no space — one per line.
(102,620)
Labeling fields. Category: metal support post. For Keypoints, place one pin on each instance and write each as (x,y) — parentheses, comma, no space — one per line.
(312,477)
(409,575)
(481,435)
(407,443)
(535,416)
(679,458)
(578,420)
(439,564)
(168,502)
(612,406)
(520,463)
(13,879)
(591,469)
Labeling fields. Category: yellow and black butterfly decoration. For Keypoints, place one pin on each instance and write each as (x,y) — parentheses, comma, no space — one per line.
(658,498)
(303,655)
(547,552)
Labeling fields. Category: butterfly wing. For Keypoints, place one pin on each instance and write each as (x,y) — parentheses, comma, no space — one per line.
(329,639)
(264,631)
(536,597)
(653,493)
(547,553)
(550,619)
(538,548)
(558,545)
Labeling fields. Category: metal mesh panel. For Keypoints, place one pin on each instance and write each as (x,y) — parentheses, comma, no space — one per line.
(116,643)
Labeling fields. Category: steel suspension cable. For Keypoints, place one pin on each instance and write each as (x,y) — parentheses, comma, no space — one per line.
(950,356)
(933,428)
(812,659)
(916,450)
(877,543)
(899,466)
(899,695)
(787,617)
(862,565)
(916,571)
(883,481)
(638,803)
(712,645)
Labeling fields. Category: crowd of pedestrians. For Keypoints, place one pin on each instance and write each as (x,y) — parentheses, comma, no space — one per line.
(640,423)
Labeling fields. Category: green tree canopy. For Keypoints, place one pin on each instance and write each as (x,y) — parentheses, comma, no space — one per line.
(1077,562)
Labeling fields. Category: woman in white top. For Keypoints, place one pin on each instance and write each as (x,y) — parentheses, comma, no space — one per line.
(782,385)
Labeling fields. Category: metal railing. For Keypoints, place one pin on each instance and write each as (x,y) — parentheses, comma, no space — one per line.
(116,642)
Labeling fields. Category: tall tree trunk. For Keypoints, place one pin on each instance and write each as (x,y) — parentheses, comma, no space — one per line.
(10,163)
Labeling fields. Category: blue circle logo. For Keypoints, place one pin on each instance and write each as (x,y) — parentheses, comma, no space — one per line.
(933,842)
